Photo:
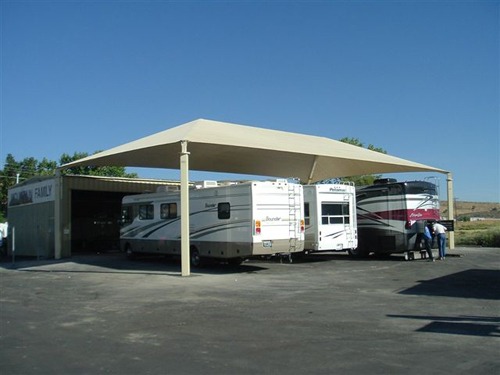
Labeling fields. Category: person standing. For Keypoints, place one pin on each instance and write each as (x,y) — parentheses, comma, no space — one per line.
(440,232)
(427,243)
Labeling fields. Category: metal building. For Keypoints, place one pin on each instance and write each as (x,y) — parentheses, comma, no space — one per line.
(85,218)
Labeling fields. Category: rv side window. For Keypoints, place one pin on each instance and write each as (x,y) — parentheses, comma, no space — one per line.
(336,220)
(168,210)
(345,213)
(373,194)
(335,213)
(146,212)
(396,190)
(224,210)
(306,214)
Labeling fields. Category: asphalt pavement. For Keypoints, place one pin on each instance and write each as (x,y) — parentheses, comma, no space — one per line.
(324,314)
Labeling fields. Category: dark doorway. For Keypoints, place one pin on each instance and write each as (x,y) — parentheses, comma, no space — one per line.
(95,221)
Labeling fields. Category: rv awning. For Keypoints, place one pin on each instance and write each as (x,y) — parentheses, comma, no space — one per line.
(223,147)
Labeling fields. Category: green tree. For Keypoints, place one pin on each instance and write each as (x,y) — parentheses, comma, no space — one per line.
(7,179)
(46,167)
(364,179)
(92,170)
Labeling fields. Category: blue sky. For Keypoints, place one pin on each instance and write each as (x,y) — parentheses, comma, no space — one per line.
(419,78)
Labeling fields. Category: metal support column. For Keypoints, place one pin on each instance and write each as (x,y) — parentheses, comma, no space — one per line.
(57,215)
(184,161)
(451,209)
(313,168)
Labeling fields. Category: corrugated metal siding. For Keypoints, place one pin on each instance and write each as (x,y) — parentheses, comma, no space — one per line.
(124,185)
(35,223)
(34,230)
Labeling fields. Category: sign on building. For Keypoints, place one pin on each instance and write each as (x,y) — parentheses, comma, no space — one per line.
(39,192)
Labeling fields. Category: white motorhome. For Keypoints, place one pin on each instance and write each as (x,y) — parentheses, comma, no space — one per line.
(228,222)
(330,217)
(392,215)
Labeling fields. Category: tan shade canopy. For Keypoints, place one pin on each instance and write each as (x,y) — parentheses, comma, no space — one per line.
(215,146)
(223,147)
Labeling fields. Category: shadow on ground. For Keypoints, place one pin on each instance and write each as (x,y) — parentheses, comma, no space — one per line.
(474,283)
(461,325)
(113,261)
(118,263)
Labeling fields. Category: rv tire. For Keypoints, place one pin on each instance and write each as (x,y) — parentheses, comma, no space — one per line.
(235,261)
(194,257)
(358,253)
(129,253)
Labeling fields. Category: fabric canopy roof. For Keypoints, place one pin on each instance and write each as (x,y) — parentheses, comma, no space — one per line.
(215,146)
(224,147)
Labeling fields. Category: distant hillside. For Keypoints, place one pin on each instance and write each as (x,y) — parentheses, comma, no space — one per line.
(473,209)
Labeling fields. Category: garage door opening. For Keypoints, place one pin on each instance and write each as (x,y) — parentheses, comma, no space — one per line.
(95,221)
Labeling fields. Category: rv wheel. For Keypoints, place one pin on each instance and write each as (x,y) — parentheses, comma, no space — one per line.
(235,261)
(195,258)
(358,253)
(128,251)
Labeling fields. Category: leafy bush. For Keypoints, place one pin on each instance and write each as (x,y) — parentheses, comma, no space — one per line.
(486,238)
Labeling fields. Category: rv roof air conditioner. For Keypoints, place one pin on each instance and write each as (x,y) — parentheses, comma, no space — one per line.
(383,181)
(205,184)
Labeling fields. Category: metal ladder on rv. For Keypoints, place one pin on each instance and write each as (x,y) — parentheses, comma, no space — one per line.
(292,220)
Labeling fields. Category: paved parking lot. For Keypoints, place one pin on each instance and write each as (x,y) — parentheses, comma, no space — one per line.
(327,314)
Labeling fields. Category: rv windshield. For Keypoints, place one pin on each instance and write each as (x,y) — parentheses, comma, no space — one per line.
(421,187)
(335,213)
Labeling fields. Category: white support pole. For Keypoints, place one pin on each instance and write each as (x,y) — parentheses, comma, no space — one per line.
(313,168)
(184,161)
(451,208)
(57,215)
(13,233)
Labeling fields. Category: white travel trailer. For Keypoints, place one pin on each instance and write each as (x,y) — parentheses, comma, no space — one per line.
(330,217)
(227,222)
